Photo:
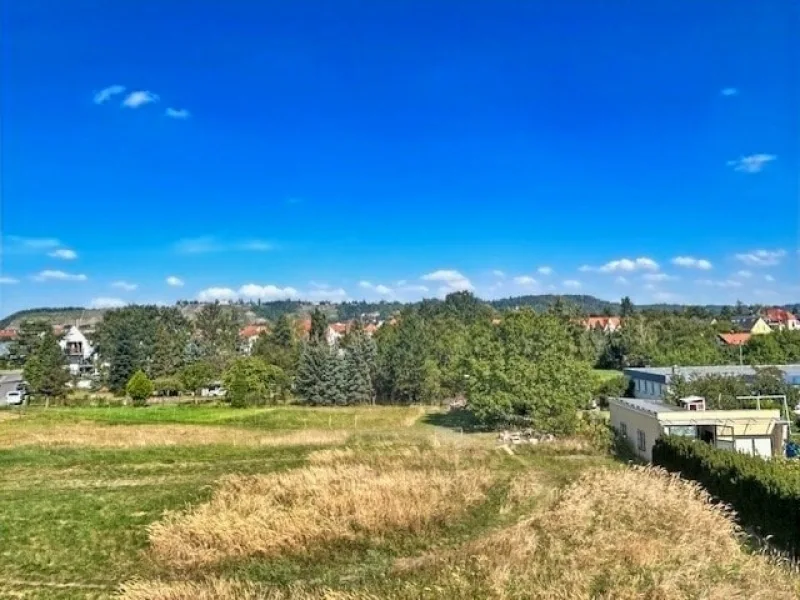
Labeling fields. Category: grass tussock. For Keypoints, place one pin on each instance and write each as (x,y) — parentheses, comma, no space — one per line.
(623,534)
(297,510)
(138,436)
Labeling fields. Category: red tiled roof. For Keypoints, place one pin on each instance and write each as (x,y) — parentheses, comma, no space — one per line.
(249,331)
(610,322)
(370,328)
(735,339)
(8,334)
(778,315)
(340,327)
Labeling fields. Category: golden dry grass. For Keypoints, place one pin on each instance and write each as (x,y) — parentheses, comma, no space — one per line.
(622,534)
(135,436)
(227,589)
(295,511)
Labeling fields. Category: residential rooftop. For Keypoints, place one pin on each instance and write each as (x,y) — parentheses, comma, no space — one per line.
(664,374)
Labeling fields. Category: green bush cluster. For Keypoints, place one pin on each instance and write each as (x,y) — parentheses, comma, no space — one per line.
(764,493)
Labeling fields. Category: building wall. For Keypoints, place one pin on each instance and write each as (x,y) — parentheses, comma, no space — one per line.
(635,421)
(760,327)
(649,390)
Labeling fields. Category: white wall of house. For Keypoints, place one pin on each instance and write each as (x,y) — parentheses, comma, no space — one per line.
(640,429)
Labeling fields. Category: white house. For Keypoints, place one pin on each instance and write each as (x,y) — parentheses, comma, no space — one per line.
(78,350)
(641,422)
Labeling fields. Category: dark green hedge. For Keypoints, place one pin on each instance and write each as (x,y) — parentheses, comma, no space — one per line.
(764,493)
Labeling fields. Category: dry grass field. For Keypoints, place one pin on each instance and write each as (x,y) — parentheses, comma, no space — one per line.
(210,503)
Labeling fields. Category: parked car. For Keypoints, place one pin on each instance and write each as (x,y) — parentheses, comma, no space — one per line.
(14,397)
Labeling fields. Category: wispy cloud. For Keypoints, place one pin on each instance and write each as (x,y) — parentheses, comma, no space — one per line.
(207,244)
(8,280)
(124,285)
(107,303)
(383,290)
(50,275)
(451,280)
(729,91)
(252,291)
(499,274)
(751,164)
(744,273)
(662,296)
(658,277)
(769,278)
(761,258)
(525,280)
(690,262)
(17,244)
(217,294)
(64,254)
(621,280)
(571,283)
(174,281)
(106,93)
(139,98)
(332,295)
(545,270)
(724,283)
(177,113)
(624,265)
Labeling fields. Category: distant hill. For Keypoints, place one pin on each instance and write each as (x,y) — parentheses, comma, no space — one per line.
(250,312)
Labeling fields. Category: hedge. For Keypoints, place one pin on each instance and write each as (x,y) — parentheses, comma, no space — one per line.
(764,493)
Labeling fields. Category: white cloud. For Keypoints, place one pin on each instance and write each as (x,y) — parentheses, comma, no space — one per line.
(626,265)
(769,278)
(545,270)
(621,280)
(381,289)
(453,280)
(334,295)
(650,286)
(106,93)
(139,98)
(498,273)
(745,274)
(658,277)
(729,91)
(751,164)
(252,291)
(107,303)
(174,281)
(571,283)
(586,269)
(725,283)
(765,293)
(64,254)
(177,113)
(8,281)
(525,280)
(319,285)
(217,294)
(124,285)
(415,288)
(761,258)
(50,275)
(690,262)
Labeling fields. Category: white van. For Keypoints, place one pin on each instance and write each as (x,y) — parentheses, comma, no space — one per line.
(14,397)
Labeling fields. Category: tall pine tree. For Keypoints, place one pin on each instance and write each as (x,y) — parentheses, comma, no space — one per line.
(312,374)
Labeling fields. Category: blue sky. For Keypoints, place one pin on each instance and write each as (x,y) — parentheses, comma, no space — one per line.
(398,149)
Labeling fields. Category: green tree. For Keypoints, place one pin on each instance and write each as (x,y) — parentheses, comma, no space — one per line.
(626,308)
(139,388)
(280,346)
(763,350)
(218,330)
(44,368)
(196,376)
(529,374)
(319,327)
(313,373)
(251,381)
(167,386)
(124,361)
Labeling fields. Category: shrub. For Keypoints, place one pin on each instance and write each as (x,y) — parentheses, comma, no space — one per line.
(765,493)
(139,388)
(167,386)
(250,380)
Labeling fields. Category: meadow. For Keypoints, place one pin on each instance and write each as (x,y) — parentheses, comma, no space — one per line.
(208,502)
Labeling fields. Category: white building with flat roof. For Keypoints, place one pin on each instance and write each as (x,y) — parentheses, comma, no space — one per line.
(641,422)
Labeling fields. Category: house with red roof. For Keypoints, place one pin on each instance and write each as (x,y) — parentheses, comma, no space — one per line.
(734,339)
(605,324)
(780,319)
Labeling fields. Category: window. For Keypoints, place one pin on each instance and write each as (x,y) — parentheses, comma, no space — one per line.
(641,442)
(623,430)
